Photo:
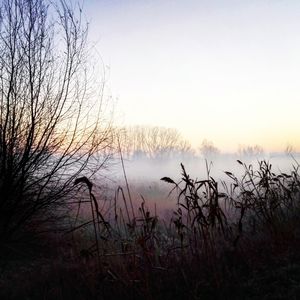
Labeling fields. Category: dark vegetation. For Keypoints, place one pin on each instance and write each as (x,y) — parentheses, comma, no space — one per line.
(48,135)
(235,241)
(63,238)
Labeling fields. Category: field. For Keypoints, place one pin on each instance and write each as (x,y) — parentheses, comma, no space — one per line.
(184,238)
(146,169)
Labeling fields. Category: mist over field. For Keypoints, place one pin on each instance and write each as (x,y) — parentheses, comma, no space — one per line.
(144,175)
(120,174)
(152,170)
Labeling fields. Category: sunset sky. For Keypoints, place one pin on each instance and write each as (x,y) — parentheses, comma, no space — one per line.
(227,71)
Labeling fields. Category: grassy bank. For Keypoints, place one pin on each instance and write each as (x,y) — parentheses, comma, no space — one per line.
(224,241)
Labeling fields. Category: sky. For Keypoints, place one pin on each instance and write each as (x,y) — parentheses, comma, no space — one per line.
(225,71)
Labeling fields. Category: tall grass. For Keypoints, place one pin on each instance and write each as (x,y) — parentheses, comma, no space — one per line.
(224,240)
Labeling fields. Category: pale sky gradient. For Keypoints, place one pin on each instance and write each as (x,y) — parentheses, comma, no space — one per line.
(227,71)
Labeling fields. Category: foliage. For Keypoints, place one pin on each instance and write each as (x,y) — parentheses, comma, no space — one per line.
(49,130)
(235,241)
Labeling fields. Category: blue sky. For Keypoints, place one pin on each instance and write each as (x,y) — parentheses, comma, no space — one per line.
(227,71)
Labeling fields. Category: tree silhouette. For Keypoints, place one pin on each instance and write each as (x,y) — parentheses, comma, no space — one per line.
(208,150)
(153,142)
(50,125)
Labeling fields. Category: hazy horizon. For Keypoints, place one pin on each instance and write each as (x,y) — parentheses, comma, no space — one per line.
(226,71)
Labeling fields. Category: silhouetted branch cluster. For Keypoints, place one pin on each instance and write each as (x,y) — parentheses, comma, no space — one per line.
(50,127)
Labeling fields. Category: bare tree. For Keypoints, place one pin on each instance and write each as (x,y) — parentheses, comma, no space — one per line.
(289,149)
(208,150)
(153,142)
(50,125)
(250,151)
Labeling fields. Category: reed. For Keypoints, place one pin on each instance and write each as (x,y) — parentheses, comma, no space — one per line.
(223,241)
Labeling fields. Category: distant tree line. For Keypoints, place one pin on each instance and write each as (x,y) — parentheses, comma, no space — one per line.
(153,143)
(250,151)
